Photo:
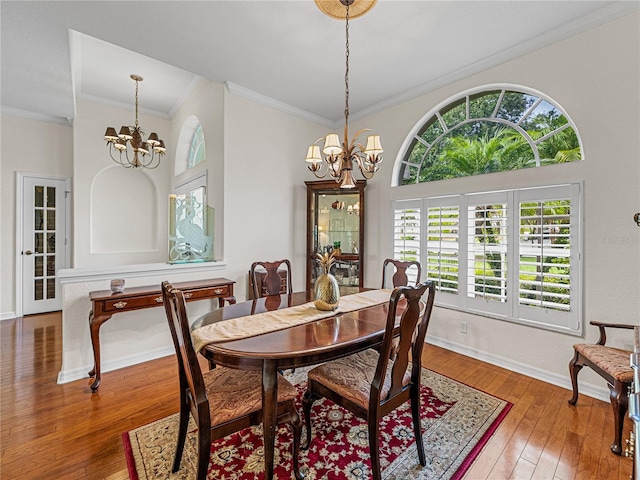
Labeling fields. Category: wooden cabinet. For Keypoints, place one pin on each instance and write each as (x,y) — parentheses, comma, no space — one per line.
(335,220)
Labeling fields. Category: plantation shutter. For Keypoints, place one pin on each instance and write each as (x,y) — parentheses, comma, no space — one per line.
(442,243)
(487,247)
(406,233)
(548,260)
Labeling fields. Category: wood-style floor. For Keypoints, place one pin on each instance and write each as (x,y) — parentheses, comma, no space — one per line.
(52,431)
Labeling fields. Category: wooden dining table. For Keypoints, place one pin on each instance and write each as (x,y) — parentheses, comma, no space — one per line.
(310,343)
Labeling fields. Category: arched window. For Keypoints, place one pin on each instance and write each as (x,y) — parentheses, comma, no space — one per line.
(197,151)
(190,148)
(486,130)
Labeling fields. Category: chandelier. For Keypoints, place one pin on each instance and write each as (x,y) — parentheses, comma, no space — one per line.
(132,151)
(340,158)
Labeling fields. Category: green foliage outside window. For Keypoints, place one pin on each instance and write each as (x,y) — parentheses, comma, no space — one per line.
(491,131)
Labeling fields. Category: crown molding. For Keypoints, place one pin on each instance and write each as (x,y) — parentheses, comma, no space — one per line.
(41,117)
(244,92)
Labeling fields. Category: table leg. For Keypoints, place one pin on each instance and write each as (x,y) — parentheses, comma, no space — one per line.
(94,327)
(269,413)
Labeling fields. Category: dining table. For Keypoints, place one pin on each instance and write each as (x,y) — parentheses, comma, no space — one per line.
(326,336)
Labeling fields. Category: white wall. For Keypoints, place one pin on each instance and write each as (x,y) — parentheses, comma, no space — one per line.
(595,77)
(265,195)
(28,146)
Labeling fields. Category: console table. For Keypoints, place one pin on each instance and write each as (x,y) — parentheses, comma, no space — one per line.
(105,304)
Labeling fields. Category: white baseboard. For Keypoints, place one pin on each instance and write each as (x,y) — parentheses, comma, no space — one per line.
(7,316)
(522,368)
(66,376)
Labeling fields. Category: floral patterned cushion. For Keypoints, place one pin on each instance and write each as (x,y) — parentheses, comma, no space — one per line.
(234,393)
(351,376)
(614,361)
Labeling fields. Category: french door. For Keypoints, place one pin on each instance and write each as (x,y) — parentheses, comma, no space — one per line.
(43,248)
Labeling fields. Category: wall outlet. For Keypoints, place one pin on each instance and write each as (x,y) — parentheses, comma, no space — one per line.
(463,327)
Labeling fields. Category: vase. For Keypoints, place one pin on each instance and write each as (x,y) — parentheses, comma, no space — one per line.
(327,292)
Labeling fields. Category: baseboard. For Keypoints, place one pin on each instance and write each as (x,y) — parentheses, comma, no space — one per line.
(522,368)
(7,316)
(66,376)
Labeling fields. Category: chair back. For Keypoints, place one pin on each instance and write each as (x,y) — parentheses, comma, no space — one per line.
(191,379)
(271,282)
(408,343)
(400,278)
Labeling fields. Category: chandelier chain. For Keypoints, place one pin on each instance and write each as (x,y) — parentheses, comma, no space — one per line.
(136,103)
(346,74)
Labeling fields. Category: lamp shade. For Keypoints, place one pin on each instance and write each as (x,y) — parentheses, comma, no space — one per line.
(110,135)
(153,139)
(374,147)
(313,154)
(332,144)
(125,133)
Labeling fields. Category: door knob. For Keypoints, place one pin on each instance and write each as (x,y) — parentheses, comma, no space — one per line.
(27,252)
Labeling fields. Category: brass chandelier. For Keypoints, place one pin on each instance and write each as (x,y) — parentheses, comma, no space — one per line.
(340,158)
(132,151)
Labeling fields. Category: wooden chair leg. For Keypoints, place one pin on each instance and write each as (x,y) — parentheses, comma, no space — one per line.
(619,403)
(182,435)
(417,427)
(374,446)
(574,367)
(204,452)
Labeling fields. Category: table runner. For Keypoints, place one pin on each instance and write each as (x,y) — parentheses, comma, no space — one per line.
(252,325)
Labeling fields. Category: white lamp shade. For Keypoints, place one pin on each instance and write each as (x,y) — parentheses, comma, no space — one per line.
(313,154)
(332,144)
(374,147)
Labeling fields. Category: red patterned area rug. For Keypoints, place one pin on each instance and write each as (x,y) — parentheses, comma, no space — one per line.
(457,421)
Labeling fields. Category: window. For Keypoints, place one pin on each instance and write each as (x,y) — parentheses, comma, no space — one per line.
(513,254)
(197,151)
(486,130)
(190,147)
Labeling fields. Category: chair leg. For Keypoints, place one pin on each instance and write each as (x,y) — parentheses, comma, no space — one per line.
(374,446)
(574,368)
(417,427)
(182,435)
(620,403)
(204,452)
(307,402)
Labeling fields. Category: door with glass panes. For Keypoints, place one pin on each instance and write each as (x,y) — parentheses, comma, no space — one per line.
(43,250)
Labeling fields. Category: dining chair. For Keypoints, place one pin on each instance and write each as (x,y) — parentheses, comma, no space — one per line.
(400,277)
(271,282)
(223,400)
(371,384)
(614,366)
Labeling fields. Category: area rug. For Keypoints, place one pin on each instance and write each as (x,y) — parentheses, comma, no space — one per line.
(457,422)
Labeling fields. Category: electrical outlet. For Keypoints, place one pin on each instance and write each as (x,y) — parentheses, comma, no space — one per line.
(463,327)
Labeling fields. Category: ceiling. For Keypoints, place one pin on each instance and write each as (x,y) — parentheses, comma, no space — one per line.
(286,53)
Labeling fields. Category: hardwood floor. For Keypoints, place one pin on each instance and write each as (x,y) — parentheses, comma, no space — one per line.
(51,431)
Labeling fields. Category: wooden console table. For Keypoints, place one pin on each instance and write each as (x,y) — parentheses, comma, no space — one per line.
(106,303)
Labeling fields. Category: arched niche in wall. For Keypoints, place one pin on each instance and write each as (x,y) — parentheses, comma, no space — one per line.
(124,211)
